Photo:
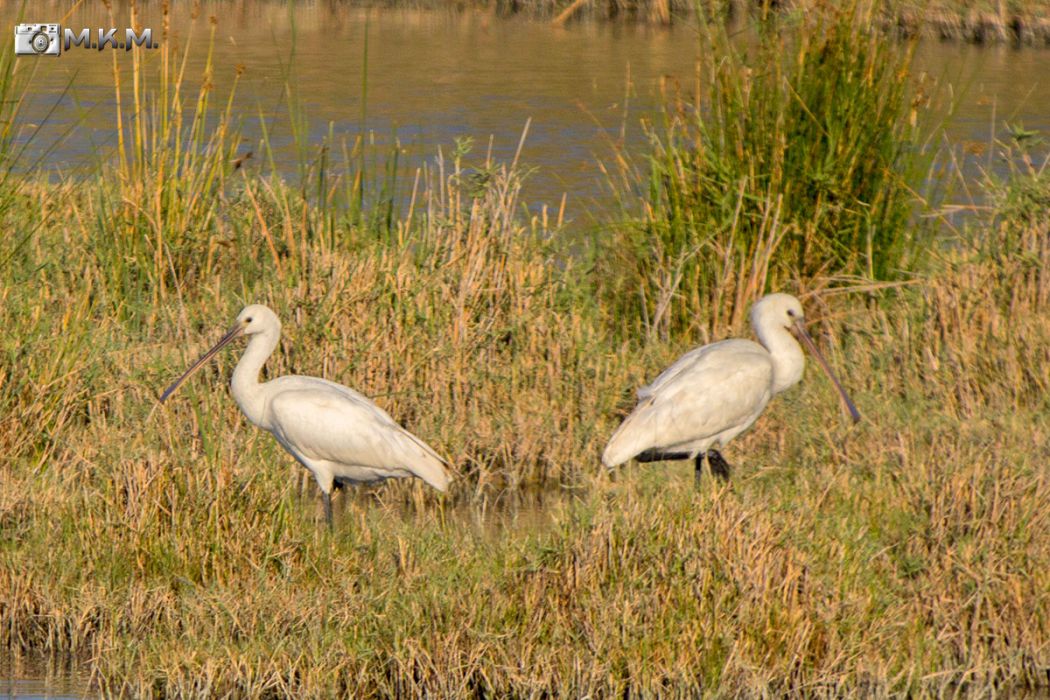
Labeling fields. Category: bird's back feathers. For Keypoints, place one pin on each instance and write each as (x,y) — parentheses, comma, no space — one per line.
(330,422)
(709,394)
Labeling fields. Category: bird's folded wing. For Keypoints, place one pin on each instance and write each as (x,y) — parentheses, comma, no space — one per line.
(699,397)
(341,425)
(696,360)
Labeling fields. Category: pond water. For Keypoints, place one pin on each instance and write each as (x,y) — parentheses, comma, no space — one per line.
(38,689)
(428,78)
(34,679)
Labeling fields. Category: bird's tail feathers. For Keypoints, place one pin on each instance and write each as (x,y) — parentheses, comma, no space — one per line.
(432,468)
(621,448)
(435,474)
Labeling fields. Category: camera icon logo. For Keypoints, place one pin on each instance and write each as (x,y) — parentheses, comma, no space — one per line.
(37,40)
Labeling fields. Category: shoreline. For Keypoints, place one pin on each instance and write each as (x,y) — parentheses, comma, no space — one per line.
(1029,26)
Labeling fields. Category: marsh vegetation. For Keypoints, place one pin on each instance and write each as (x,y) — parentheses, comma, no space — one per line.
(170,551)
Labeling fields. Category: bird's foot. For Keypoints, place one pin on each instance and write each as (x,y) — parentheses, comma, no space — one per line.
(719,467)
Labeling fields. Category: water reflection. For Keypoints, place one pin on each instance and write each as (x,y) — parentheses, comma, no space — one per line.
(27,679)
(433,77)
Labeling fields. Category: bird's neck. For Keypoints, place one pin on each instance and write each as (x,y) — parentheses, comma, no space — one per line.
(247,391)
(786,353)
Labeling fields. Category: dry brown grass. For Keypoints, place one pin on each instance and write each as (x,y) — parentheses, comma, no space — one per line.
(167,549)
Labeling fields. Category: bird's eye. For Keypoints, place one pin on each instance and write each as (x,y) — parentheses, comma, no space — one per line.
(248,320)
(791,313)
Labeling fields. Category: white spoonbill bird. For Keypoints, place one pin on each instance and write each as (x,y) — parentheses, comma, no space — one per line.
(335,432)
(715,392)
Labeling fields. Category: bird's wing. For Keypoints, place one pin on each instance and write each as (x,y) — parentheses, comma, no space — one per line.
(327,421)
(691,360)
(706,392)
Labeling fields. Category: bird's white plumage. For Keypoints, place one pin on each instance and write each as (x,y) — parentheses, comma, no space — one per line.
(715,392)
(337,433)
(711,394)
(341,435)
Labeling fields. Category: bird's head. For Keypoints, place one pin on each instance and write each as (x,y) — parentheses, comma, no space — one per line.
(778,311)
(255,318)
(252,320)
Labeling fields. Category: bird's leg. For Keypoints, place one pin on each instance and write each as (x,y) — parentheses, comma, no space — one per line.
(655,455)
(719,467)
(327,497)
(698,474)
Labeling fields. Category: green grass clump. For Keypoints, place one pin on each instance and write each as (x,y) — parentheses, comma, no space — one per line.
(789,166)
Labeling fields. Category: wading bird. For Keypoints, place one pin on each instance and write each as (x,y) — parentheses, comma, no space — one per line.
(715,392)
(335,432)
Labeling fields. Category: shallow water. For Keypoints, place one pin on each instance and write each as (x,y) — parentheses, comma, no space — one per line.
(36,689)
(28,679)
(433,77)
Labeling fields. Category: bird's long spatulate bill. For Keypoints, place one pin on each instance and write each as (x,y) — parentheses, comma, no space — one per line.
(230,335)
(854,413)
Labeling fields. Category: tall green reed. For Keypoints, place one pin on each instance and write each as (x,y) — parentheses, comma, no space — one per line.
(173,155)
(788,165)
(40,352)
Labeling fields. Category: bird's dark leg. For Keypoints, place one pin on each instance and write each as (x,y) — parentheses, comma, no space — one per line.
(698,474)
(719,467)
(655,455)
(327,497)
